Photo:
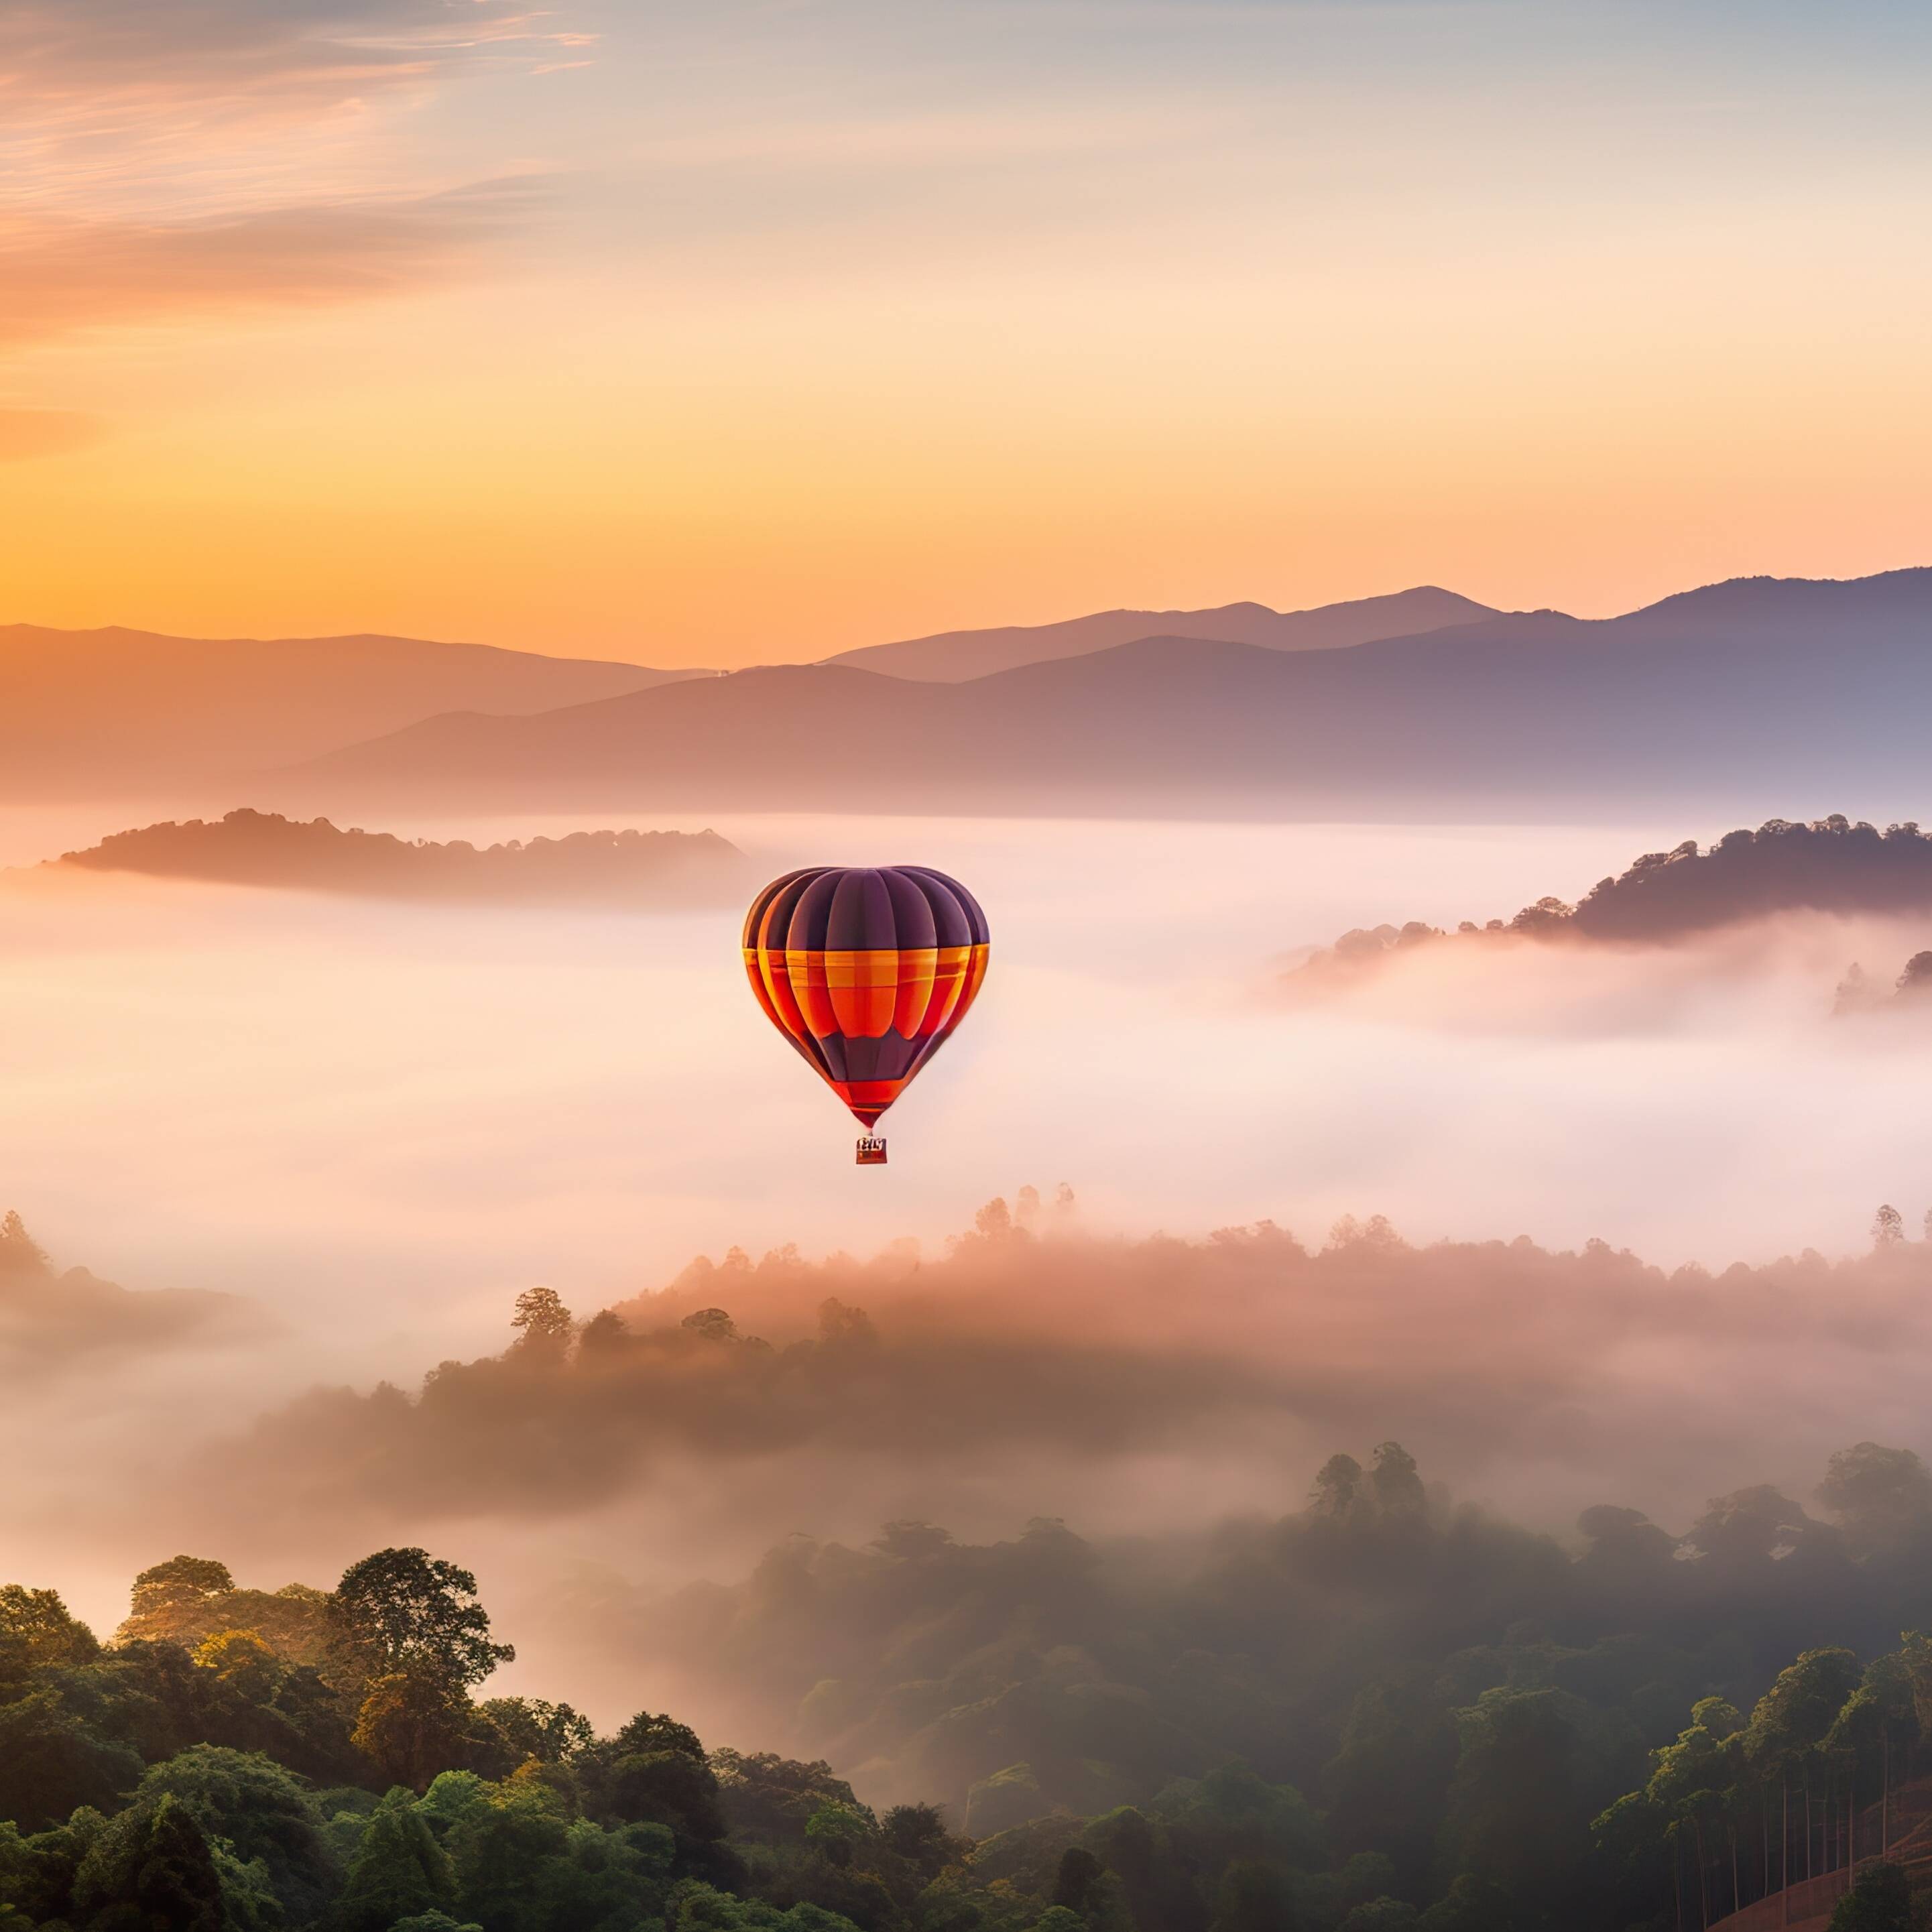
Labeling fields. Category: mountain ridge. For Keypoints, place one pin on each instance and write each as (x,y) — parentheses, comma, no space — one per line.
(1542,705)
(115,707)
(953,657)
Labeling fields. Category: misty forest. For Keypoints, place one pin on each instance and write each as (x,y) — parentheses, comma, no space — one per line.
(1382,1710)
(1374,1705)
(1061,1572)
(965,967)
(408,1535)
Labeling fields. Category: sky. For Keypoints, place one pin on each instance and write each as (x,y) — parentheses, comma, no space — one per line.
(723,331)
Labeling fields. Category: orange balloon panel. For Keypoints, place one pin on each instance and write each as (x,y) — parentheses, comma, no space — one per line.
(866,971)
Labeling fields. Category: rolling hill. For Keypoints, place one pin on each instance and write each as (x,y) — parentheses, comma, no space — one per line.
(952,657)
(1730,687)
(629,871)
(115,710)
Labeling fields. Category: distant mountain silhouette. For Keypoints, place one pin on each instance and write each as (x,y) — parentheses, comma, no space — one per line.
(1831,865)
(85,712)
(629,871)
(51,1322)
(951,657)
(1736,685)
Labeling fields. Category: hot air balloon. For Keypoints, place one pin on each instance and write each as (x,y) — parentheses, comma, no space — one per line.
(866,970)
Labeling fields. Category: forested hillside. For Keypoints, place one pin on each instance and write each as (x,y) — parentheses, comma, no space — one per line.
(1503,1737)
(621,869)
(1830,865)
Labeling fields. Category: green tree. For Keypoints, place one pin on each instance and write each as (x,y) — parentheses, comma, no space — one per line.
(1882,1498)
(414,1723)
(1784,1743)
(529,1727)
(37,1873)
(1076,1881)
(1253,1897)
(524,1864)
(768,1798)
(403,1610)
(917,1834)
(653,1731)
(264,1812)
(1516,1818)
(698,1907)
(51,1762)
(36,1626)
(398,1869)
(151,1869)
(837,1829)
(1880,1901)
(664,1787)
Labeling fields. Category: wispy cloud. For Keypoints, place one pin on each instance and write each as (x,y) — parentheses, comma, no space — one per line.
(64,274)
(81,60)
(221,155)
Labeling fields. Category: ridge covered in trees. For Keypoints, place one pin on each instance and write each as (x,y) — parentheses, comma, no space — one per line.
(618,869)
(1030,1340)
(1831,865)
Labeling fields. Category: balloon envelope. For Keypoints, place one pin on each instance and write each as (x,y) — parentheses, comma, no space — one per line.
(866,970)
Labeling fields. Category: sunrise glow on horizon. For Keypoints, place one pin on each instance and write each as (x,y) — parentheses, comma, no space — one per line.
(747,332)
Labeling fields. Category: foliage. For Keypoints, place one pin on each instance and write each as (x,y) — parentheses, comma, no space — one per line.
(414,1723)
(1831,865)
(152,1867)
(260,1811)
(627,869)
(405,1613)
(1880,1901)
(541,1320)
(529,1727)
(188,1600)
(399,1870)
(36,1629)
(1635,1746)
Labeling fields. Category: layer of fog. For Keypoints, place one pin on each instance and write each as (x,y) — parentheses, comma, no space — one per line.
(381,1125)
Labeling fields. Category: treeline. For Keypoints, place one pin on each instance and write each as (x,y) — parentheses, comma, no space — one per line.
(1831,865)
(584,869)
(237,1760)
(1029,1349)
(1381,1714)
(1494,1719)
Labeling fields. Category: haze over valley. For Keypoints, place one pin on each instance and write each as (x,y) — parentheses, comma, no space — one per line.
(965,968)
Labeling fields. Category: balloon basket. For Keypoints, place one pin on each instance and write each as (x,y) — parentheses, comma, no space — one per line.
(871,1150)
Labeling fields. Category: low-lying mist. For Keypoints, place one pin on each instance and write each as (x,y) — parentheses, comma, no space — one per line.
(377,1127)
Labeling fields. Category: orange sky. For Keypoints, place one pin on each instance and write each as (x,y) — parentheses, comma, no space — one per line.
(759,328)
